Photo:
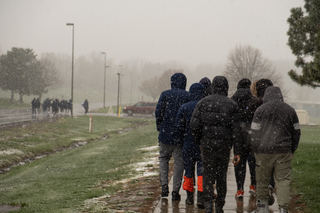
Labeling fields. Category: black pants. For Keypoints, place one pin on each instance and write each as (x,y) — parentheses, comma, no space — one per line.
(215,167)
(241,168)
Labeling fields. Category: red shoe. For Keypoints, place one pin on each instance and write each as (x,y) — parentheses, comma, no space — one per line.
(239,194)
(252,189)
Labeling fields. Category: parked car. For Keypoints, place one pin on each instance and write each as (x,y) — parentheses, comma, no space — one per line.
(141,108)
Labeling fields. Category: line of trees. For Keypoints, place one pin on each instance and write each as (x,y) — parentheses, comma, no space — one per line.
(22,73)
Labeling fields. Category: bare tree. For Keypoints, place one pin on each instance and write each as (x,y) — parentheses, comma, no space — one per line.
(149,89)
(155,85)
(248,62)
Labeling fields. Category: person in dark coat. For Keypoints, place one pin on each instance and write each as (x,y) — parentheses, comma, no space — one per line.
(33,106)
(216,128)
(191,150)
(275,137)
(169,141)
(38,104)
(258,89)
(207,83)
(243,97)
(86,106)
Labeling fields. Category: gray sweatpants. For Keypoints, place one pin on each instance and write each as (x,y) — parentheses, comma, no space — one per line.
(281,163)
(166,152)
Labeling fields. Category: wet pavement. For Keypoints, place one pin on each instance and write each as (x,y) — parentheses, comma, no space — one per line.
(247,204)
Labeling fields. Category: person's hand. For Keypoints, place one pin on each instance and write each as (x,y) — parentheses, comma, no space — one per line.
(236,160)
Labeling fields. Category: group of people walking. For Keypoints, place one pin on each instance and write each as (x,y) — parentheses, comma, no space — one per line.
(51,105)
(201,126)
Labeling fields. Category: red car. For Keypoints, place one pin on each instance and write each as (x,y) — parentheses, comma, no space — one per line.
(141,108)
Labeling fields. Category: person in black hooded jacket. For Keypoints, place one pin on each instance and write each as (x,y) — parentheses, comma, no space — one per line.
(215,127)
(275,137)
(243,97)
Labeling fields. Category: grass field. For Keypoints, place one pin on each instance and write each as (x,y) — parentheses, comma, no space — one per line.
(306,168)
(63,181)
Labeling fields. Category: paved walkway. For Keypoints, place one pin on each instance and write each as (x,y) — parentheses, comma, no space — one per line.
(247,204)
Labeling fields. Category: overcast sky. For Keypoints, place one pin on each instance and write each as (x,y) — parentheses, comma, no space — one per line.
(189,31)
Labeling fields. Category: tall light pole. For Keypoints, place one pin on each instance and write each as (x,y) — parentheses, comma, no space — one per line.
(118,93)
(104,80)
(72,24)
(120,84)
(131,89)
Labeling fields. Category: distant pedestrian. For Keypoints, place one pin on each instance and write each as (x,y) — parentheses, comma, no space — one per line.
(169,142)
(216,128)
(275,138)
(85,106)
(38,104)
(33,106)
(191,150)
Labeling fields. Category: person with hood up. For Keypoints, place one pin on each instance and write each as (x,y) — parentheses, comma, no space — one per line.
(85,106)
(191,150)
(170,144)
(275,137)
(243,97)
(207,83)
(216,129)
(257,89)
(33,105)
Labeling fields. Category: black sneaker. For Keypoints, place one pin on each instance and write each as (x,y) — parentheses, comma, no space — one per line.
(200,202)
(176,195)
(165,190)
(189,200)
(218,210)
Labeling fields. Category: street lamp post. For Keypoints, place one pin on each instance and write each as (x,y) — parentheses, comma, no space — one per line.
(118,93)
(72,24)
(104,80)
(131,89)
(120,85)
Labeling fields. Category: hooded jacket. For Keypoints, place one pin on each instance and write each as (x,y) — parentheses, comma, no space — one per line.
(258,88)
(214,123)
(207,83)
(275,126)
(243,97)
(167,109)
(197,92)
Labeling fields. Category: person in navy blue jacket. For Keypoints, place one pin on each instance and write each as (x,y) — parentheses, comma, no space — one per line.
(170,144)
(191,150)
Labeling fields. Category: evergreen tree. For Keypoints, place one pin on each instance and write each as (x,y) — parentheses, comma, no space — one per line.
(20,72)
(304,41)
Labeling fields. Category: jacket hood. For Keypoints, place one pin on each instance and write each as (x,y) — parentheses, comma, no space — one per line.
(262,85)
(206,82)
(197,91)
(220,85)
(272,94)
(244,83)
(178,81)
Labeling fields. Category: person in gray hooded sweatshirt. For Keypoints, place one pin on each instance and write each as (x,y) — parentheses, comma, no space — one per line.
(275,138)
